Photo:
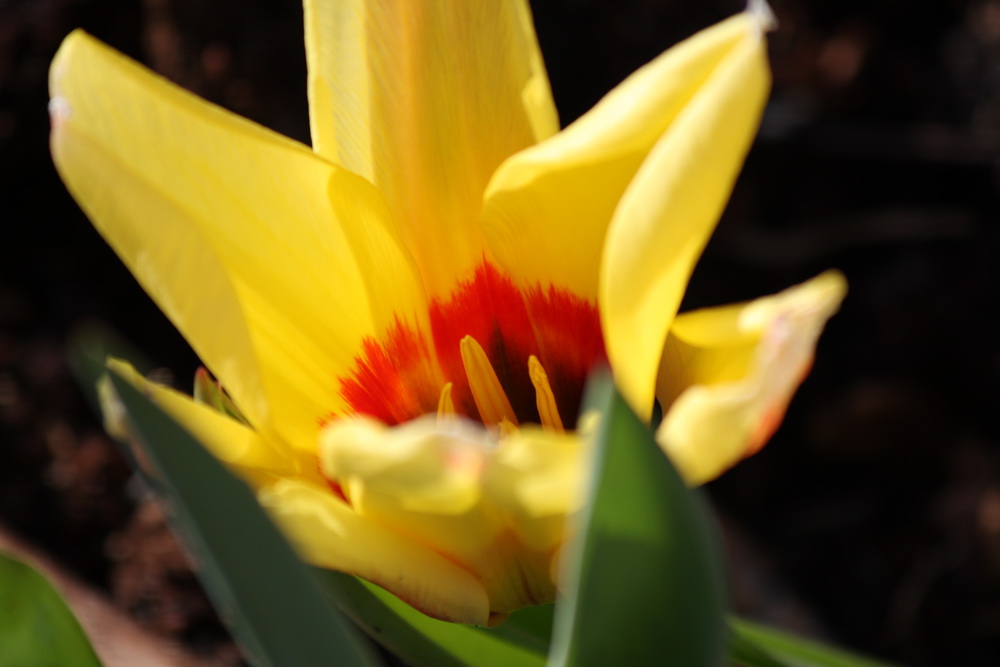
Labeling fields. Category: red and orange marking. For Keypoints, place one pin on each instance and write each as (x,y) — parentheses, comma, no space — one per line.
(402,376)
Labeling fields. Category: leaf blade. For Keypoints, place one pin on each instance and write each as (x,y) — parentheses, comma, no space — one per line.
(36,625)
(421,640)
(645,529)
(794,651)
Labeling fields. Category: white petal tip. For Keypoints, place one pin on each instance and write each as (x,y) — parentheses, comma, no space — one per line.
(762,11)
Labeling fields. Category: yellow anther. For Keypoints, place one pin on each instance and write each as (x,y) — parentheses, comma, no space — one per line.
(548,411)
(494,407)
(446,406)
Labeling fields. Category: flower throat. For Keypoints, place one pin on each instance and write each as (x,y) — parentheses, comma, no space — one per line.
(495,353)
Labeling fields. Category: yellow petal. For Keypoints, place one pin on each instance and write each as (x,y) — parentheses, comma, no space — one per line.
(496,511)
(429,466)
(425,98)
(548,207)
(728,374)
(273,263)
(236,445)
(670,208)
(329,534)
(537,477)
(422,479)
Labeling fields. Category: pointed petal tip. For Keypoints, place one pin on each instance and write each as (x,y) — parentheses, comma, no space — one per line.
(831,282)
(761,10)
(59,107)
(815,300)
(78,38)
(716,422)
(69,42)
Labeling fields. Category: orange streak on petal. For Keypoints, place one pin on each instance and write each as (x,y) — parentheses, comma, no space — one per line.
(393,380)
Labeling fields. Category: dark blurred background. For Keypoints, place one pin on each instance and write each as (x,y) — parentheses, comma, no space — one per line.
(873,517)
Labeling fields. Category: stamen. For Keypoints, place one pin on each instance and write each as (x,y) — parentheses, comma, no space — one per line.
(507,429)
(548,411)
(446,406)
(494,406)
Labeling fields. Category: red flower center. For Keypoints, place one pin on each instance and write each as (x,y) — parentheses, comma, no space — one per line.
(400,377)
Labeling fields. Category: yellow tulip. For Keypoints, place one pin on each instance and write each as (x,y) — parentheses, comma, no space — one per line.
(405,313)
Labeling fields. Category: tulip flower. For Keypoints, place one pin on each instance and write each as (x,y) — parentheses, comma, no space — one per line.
(404,314)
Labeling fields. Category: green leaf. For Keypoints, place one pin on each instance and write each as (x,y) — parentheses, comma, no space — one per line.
(420,640)
(269,598)
(528,627)
(744,651)
(760,646)
(644,580)
(36,626)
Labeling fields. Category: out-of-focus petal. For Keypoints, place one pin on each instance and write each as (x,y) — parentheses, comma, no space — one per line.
(537,477)
(273,263)
(330,534)
(728,374)
(547,208)
(425,98)
(444,484)
(429,466)
(422,479)
(670,208)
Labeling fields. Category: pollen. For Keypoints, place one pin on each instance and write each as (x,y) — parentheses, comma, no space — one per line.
(491,400)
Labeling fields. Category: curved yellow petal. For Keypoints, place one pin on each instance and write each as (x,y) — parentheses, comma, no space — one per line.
(330,534)
(429,466)
(547,208)
(238,446)
(538,478)
(273,263)
(728,374)
(425,98)
(453,488)
(669,210)
(422,479)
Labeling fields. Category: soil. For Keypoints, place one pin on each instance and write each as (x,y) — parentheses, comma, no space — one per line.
(871,519)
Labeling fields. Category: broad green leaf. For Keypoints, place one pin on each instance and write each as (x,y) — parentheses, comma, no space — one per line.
(420,640)
(269,598)
(36,626)
(750,641)
(643,580)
